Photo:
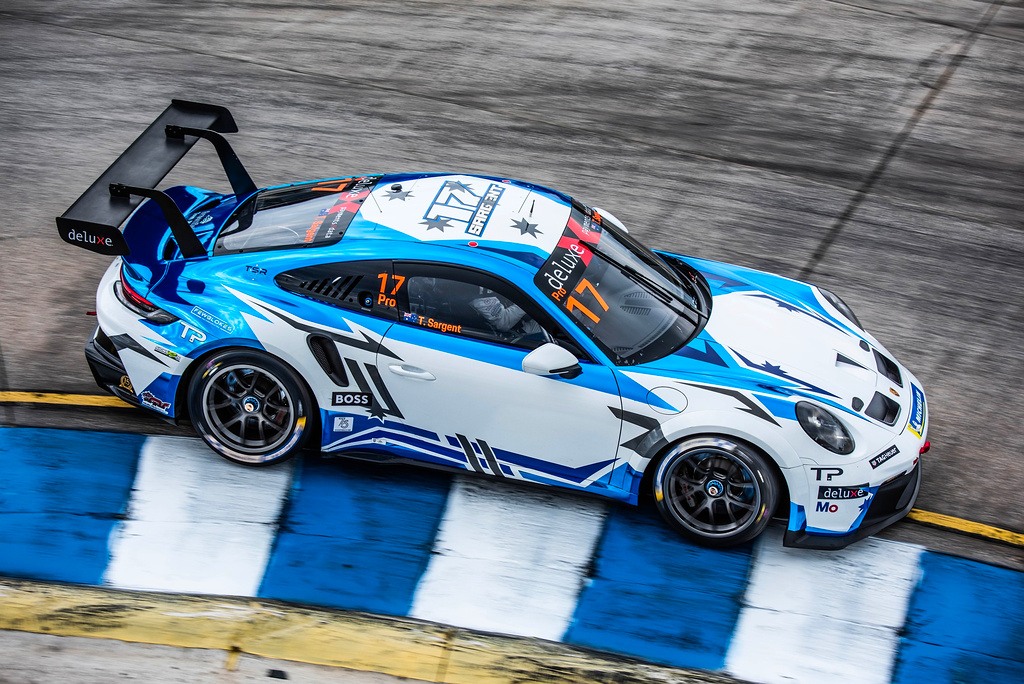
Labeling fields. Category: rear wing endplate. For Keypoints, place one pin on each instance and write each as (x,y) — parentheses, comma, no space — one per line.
(92,222)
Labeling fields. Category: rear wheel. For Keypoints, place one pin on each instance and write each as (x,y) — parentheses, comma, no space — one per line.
(250,407)
(715,491)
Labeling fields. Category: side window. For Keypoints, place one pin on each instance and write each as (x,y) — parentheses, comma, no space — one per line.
(467,303)
(366,286)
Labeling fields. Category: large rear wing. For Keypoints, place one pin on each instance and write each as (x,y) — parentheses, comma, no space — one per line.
(92,221)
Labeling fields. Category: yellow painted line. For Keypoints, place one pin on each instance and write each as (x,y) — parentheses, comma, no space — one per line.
(967,527)
(397,646)
(66,399)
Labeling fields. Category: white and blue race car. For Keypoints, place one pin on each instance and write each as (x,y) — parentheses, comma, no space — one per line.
(493,326)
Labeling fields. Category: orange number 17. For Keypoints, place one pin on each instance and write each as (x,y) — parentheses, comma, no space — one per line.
(573,303)
(383,277)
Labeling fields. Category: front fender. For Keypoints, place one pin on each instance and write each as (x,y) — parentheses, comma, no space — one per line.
(770,438)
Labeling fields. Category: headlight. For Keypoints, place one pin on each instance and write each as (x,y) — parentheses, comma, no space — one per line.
(835,301)
(824,428)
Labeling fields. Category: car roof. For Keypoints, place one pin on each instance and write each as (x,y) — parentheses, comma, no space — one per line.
(516,219)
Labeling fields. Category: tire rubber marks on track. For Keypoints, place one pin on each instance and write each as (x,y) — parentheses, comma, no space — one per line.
(897,144)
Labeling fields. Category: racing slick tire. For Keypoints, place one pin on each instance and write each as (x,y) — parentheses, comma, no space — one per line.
(715,491)
(250,407)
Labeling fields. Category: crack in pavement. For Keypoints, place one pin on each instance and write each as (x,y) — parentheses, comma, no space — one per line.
(355,83)
(894,148)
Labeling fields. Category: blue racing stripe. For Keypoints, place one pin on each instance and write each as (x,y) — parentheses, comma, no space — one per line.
(356,536)
(655,596)
(965,624)
(63,491)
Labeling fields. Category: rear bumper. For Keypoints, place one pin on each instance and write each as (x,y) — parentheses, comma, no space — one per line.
(107,369)
(892,501)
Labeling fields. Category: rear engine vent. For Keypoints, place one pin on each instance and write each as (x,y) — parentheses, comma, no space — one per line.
(888,368)
(326,354)
(883,409)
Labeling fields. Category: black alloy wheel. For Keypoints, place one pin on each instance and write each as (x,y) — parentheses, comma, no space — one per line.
(250,407)
(715,491)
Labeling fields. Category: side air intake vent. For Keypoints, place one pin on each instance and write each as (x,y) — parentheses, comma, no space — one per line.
(350,285)
(883,409)
(331,290)
(888,368)
(326,354)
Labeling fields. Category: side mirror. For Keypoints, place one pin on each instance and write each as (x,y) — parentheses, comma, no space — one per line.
(550,359)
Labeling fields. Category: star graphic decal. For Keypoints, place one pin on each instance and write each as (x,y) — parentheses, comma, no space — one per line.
(788,307)
(778,371)
(439,223)
(377,411)
(525,227)
(397,194)
(796,309)
(457,185)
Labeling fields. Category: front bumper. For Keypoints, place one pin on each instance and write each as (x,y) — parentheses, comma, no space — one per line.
(891,502)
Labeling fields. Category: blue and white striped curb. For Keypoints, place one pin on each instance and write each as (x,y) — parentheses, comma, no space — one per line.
(167,514)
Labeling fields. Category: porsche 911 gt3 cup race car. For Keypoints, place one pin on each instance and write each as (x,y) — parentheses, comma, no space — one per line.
(493,326)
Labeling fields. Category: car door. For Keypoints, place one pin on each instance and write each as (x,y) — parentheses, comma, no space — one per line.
(334,334)
(455,371)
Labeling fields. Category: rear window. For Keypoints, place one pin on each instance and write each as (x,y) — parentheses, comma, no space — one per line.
(308,215)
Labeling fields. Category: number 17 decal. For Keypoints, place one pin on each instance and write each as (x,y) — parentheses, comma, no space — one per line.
(573,303)
(383,277)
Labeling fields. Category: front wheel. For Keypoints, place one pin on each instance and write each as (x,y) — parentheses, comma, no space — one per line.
(250,407)
(715,491)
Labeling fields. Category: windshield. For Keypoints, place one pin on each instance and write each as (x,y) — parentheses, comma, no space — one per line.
(308,215)
(632,304)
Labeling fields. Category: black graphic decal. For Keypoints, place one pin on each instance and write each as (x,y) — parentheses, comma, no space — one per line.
(357,375)
(474,462)
(391,409)
(646,442)
(752,407)
(127,342)
(366,344)
(491,460)
(376,409)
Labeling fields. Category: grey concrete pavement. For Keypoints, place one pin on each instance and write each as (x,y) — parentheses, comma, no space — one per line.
(27,658)
(876,146)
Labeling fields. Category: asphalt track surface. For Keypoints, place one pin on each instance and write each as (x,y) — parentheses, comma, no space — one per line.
(874,148)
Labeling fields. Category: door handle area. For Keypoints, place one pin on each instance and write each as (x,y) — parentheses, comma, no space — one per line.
(412,372)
